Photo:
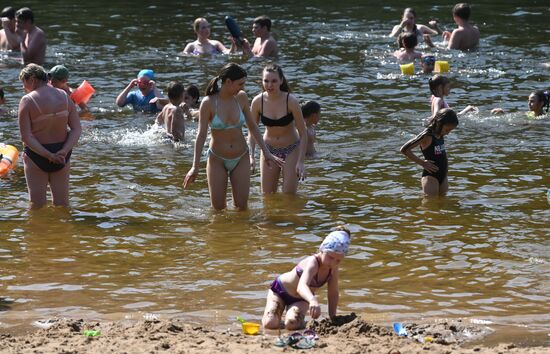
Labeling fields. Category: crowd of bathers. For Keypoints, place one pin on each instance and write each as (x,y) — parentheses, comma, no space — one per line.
(50,128)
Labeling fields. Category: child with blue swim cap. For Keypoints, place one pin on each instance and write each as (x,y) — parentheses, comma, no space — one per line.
(295,290)
(139,99)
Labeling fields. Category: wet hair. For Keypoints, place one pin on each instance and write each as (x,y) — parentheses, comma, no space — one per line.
(437,81)
(263,21)
(544,97)
(24,14)
(193,91)
(197,23)
(274,68)
(343,228)
(1,93)
(407,40)
(411,10)
(230,71)
(309,108)
(35,71)
(442,117)
(462,11)
(8,12)
(175,90)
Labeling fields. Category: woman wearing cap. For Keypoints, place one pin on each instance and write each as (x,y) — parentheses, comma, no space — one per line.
(295,290)
(50,128)
(203,45)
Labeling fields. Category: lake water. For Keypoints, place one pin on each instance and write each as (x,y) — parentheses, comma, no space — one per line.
(134,242)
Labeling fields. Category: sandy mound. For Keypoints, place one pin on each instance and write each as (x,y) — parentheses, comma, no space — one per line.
(347,334)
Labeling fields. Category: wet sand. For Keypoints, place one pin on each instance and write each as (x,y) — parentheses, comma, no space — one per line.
(348,334)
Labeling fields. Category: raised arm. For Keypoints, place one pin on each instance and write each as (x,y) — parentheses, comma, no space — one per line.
(13,38)
(121,98)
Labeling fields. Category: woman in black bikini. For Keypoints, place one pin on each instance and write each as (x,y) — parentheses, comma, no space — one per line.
(285,133)
(50,128)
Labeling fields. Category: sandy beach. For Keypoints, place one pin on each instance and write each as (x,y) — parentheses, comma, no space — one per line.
(347,334)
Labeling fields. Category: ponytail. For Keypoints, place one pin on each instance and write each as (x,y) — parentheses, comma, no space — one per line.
(437,81)
(229,71)
(544,97)
(212,87)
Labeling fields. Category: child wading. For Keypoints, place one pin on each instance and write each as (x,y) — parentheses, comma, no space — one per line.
(295,290)
(434,175)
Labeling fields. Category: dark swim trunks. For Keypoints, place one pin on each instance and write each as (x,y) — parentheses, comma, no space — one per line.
(43,163)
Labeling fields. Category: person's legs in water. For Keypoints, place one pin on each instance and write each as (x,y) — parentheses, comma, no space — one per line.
(59,184)
(217,182)
(37,183)
(240,182)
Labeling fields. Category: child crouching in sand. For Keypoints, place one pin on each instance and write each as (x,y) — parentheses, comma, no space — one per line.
(295,290)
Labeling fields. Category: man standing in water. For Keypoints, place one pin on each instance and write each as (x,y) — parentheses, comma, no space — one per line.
(33,44)
(466,36)
(264,45)
(10,37)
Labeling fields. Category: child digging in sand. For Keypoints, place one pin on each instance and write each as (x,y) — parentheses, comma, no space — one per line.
(295,290)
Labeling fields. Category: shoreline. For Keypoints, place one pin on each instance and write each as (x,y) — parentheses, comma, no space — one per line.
(346,334)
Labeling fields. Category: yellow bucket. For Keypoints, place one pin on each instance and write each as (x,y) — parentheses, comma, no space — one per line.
(251,328)
(441,66)
(407,69)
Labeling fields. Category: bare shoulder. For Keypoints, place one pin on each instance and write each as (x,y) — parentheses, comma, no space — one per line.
(292,100)
(242,98)
(257,99)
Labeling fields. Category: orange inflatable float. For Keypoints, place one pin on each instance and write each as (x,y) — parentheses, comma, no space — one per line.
(9,155)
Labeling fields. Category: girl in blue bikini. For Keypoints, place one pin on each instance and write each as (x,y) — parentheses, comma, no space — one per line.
(295,290)
(285,133)
(225,109)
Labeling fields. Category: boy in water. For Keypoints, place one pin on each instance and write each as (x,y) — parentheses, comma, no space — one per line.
(10,36)
(407,42)
(140,99)
(466,36)
(59,77)
(428,64)
(171,115)
(311,111)
(33,44)
(190,102)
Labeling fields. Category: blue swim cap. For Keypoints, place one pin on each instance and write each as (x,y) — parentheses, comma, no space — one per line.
(147,72)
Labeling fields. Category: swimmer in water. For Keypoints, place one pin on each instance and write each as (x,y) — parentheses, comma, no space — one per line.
(204,45)
(407,42)
(171,116)
(536,101)
(440,86)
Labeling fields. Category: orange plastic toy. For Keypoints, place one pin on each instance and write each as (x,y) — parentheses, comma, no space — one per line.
(83,93)
(10,154)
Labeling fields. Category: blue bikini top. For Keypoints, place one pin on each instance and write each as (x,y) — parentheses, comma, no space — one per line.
(218,124)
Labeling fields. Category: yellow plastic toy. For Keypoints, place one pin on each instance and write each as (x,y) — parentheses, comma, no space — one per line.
(441,66)
(407,69)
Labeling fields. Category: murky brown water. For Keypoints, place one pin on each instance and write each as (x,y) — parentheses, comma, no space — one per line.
(134,242)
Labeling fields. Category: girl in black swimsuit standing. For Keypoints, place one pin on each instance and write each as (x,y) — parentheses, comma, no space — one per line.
(434,176)
(285,133)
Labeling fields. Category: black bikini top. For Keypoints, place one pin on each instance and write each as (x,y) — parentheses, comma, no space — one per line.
(280,122)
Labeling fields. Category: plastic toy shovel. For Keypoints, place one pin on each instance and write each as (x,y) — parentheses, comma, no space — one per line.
(399,329)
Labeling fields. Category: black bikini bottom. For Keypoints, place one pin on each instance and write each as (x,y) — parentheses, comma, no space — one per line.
(43,163)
